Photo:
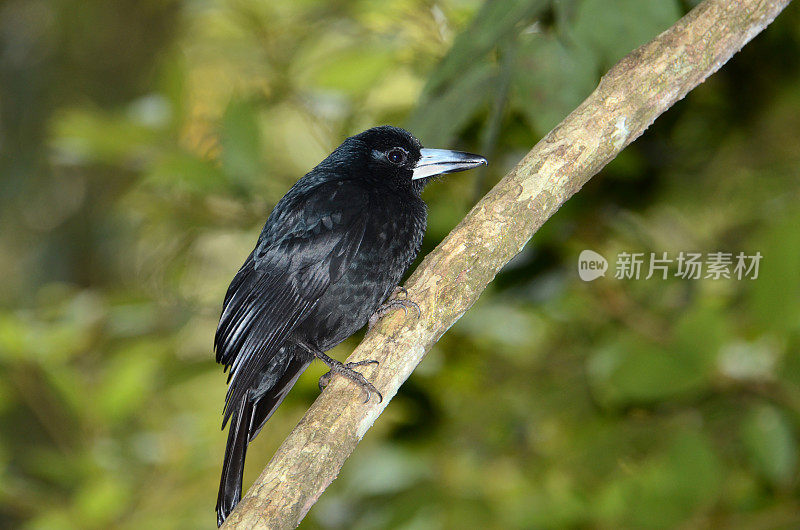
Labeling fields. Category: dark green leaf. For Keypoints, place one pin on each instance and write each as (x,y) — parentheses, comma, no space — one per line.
(614,28)
(771,445)
(494,22)
(551,79)
(241,142)
(438,120)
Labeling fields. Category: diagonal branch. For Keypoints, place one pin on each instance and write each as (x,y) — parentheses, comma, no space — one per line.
(451,278)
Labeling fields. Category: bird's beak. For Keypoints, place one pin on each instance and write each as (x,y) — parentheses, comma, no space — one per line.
(439,161)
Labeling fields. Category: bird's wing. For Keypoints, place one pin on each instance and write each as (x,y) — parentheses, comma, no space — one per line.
(306,247)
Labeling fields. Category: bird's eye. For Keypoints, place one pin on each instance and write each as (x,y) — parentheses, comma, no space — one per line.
(397,156)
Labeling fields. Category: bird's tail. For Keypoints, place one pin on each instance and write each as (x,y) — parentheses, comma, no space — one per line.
(230,485)
(245,423)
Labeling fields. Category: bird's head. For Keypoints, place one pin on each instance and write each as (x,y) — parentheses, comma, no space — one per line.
(390,155)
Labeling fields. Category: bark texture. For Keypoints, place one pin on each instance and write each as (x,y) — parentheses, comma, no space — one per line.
(628,99)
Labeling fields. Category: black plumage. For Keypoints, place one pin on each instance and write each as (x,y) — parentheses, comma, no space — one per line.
(332,250)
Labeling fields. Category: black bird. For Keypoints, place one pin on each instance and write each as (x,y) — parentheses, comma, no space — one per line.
(333,248)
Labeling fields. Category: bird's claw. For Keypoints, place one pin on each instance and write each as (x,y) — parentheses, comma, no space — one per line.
(398,291)
(394,303)
(356,377)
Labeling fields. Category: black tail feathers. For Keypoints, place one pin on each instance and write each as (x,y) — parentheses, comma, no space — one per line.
(246,421)
(230,485)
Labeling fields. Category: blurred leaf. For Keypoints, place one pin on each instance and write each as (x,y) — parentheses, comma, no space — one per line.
(241,143)
(99,503)
(68,383)
(665,488)
(613,28)
(750,360)
(52,518)
(789,371)
(699,335)
(6,402)
(673,486)
(184,172)
(387,469)
(463,82)
(12,337)
(771,445)
(565,10)
(551,79)
(436,122)
(49,464)
(82,136)
(354,70)
(507,329)
(778,283)
(493,22)
(630,371)
(129,376)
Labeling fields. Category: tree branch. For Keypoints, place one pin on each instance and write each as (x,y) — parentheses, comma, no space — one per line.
(451,278)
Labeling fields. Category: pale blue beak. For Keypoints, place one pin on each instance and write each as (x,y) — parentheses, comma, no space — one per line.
(440,161)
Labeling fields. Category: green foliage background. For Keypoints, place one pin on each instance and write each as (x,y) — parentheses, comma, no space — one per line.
(143,144)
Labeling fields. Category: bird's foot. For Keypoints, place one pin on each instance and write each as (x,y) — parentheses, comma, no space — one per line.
(342,369)
(347,371)
(394,303)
